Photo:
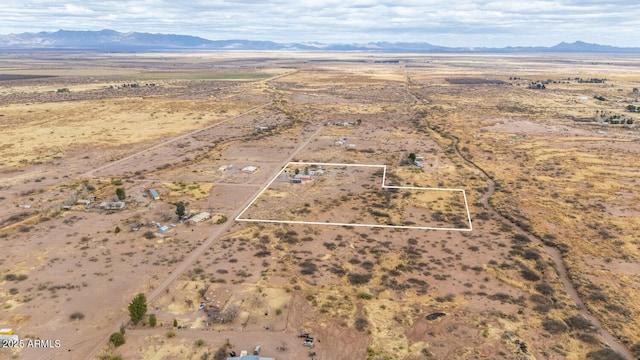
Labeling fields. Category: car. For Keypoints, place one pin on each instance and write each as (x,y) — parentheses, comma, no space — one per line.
(303,335)
(201,306)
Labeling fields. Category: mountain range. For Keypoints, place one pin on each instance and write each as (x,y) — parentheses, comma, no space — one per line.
(114,41)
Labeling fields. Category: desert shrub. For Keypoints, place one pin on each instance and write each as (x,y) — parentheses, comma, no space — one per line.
(170,334)
(529,275)
(367,265)
(635,350)
(364,295)
(539,299)
(153,321)
(604,354)
(502,297)
(308,267)
(354,261)
(587,338)
(199,342)
(117,339)
(76,316)
(447,298)
(338,270)
(554,326)
(262,253)
(531,254)
(618,309)
(14,277)
(542,308)
(427,354)
(361,324)
(359,278)
(221,354)
(175,323)
(579,322)
(521,239)
(544,289)
(149,235)
(330,245)
(221,220)
(484,216)
(598,296)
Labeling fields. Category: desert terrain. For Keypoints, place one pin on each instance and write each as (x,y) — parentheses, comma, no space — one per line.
(545,148)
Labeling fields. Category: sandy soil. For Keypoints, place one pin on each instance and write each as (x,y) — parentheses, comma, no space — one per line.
(70,269)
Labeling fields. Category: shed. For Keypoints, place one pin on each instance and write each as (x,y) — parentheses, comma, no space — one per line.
(154,194)
(163,230)
(249,169)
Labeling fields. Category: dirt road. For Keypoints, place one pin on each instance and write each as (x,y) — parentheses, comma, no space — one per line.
(560,267)
(193,256)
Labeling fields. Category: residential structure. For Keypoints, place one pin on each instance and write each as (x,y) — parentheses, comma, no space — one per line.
(112,205)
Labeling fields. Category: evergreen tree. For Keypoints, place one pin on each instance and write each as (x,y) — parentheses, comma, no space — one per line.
(138,308)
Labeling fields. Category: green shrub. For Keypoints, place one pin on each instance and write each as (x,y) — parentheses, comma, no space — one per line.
(117,339)
(152,320)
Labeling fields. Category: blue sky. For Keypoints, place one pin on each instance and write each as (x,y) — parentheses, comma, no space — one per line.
(494,23)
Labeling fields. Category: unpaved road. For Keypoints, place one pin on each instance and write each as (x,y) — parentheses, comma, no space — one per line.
(182,267)
(555,255)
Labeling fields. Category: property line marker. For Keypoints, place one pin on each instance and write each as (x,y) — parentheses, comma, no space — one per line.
(384,177)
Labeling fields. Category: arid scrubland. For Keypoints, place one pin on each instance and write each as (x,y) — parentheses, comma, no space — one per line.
(544,146)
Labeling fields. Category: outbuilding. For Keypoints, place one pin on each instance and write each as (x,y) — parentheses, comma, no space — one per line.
(154,194)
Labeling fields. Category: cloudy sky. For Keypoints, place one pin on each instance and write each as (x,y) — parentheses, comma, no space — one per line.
(495,23)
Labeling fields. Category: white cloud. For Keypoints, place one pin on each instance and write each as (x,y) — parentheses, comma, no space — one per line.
(450,23)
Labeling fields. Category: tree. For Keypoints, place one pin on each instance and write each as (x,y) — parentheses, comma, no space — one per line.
(116,339)
(306,171)
(180,209)
(152,320)
(120,193)
(412,157)
(138,308)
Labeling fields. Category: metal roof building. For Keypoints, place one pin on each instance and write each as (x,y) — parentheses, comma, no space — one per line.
(154,194)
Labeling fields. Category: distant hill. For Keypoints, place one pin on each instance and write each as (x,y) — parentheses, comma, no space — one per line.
(114,41)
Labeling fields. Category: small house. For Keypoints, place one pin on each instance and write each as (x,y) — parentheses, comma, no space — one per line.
(200,217)
(249,169)
(154,194)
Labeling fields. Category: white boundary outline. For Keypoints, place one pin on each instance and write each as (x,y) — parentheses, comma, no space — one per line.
(384,176)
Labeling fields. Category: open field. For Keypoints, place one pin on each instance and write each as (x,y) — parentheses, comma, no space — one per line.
(550,270)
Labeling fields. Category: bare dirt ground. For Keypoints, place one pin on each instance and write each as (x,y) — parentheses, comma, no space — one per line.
(562,182)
